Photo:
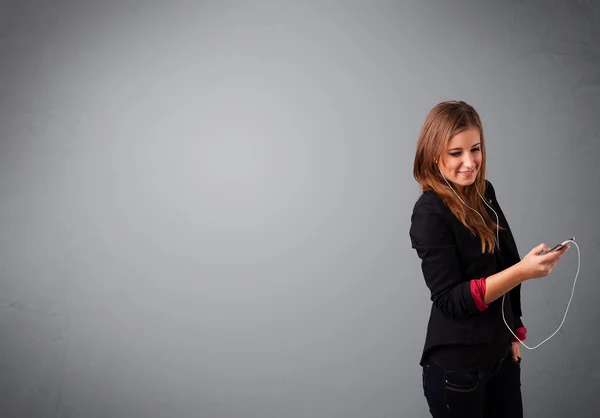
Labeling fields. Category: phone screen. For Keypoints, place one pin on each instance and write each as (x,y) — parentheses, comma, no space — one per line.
(556,247)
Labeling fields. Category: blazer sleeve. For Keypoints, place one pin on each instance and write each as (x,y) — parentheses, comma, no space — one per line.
(515,293)
(435,244)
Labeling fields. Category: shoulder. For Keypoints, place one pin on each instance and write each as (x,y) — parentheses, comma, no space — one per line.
(429,202)
(489,188)
(490,191)
(430,220)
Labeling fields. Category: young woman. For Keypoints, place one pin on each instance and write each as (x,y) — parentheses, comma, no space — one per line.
(471,265)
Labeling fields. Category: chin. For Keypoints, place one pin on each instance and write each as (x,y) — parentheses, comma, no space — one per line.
(465,182)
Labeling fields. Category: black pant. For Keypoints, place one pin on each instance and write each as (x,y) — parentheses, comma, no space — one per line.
(482,394)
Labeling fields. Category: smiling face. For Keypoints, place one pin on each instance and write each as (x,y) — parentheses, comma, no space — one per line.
(462,159)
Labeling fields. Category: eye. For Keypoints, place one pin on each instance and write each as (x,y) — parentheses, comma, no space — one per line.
(455,153)
(476,149)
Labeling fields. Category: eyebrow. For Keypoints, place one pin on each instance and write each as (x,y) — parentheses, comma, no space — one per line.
(476,145)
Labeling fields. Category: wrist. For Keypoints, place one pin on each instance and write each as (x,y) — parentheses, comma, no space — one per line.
(520,273)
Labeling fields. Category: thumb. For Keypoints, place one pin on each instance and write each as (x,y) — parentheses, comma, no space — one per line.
(542,247)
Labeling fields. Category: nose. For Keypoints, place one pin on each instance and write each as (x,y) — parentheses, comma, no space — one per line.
(468,161)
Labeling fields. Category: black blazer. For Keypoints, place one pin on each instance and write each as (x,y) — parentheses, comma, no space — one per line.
(450,258)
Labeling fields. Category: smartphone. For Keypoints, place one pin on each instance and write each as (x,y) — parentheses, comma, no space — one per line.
(559,246)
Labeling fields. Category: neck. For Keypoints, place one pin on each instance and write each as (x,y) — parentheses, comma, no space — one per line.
(461,190)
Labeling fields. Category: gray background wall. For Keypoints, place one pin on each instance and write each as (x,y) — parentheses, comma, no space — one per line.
(204,206)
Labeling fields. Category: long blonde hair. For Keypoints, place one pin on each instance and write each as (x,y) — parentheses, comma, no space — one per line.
(443,122)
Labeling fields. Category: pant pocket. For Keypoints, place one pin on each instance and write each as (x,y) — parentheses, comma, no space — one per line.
(464,395)
(460,381)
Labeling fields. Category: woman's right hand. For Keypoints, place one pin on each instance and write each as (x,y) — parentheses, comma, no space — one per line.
(534,265)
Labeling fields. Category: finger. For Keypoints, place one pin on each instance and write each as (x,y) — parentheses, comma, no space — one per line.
(564,249)
(554,255)
(547,260)
(546,269)
(540,248)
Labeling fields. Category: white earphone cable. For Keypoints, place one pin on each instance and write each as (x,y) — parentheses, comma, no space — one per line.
(566,310)
(498,246)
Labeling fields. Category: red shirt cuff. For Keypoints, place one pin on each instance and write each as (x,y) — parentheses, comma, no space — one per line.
(521,334)
(478,292)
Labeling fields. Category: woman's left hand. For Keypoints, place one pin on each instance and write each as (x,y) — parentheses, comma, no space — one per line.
(515,351)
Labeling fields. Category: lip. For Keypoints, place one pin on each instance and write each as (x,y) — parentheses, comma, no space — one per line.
(467,173)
